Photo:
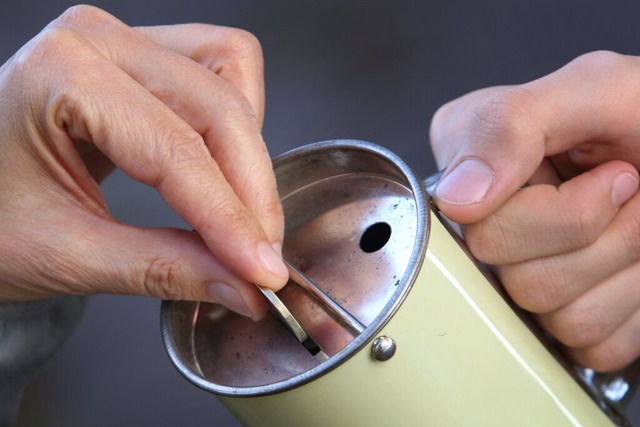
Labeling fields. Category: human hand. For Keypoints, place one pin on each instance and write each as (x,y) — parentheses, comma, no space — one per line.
(566,246)
(179,108)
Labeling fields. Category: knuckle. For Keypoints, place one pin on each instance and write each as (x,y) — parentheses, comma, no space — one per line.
(271,214)
(534,287)
(628,235)
(242,46)
(182,152)
(185,150)
(161,279)
(238,114)
(244,41)
(238,226)
(236,104)
(599,61)
(228,49)
(504,113)
(584,224)
(271,205)
(440,129)
(53,46)
(541,297)
(186,145)
(57,65)
(82,16)
(443,113)
(233,215)
(239,58)
(579,325)
(488,241)
(607,357)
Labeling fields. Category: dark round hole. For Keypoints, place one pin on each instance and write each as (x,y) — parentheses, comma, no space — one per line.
(375,237)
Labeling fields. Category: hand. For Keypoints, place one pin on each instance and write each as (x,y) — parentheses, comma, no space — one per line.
(566,246)
(179,108)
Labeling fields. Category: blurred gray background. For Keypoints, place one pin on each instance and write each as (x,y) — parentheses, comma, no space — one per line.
(374,70)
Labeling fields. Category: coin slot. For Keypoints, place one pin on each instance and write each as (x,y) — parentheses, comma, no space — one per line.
(375,237)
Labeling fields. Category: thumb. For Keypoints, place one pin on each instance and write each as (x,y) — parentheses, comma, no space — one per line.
(104,256)
(173,264)
(489,149)
(494,139)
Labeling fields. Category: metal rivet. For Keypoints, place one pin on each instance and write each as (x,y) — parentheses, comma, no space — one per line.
(383,348)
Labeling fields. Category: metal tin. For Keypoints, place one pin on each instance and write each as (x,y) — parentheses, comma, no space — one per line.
(358,224)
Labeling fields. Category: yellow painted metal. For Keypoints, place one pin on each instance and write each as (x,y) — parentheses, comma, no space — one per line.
(464,358)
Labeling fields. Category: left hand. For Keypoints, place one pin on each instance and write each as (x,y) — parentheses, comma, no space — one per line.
(178,108)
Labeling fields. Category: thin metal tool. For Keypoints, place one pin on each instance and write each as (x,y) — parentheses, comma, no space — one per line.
(283,313)
(431,181)
(334,309)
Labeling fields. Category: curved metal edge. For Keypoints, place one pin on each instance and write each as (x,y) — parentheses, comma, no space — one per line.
(408,280)
(611,391)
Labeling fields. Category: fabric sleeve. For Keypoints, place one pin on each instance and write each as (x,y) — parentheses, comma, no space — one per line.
(30,333)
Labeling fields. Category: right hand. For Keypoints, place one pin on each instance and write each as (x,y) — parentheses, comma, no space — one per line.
(179,108)
(566,247)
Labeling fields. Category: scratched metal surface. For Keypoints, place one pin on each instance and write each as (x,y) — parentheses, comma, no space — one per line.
(374,70)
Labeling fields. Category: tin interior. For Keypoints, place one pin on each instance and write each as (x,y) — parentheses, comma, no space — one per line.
(355,226)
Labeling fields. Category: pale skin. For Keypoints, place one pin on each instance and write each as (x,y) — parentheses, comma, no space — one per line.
(179,108)
(549,197)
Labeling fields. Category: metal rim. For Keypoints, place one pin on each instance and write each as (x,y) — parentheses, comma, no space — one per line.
(371,331)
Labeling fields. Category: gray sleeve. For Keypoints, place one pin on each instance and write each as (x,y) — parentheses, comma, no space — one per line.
(30,333)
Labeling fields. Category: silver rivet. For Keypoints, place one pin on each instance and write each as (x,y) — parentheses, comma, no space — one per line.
(383,348)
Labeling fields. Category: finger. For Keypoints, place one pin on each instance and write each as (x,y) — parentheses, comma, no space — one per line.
(544,220)
(231,53)
(219,199)
(596,314)
(502,134)
(614,353)
(489,147)
(89,255)
(545,284)
(599,85)
(229,128)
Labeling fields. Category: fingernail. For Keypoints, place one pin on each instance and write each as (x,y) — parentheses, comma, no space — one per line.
(271,259)
(467,183)
(224,294)
(624,187)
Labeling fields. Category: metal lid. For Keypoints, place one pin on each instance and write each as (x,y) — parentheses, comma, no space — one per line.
(356,229)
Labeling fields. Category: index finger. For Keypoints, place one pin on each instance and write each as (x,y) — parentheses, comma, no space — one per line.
(231,99)
(168,144)
(544,220)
